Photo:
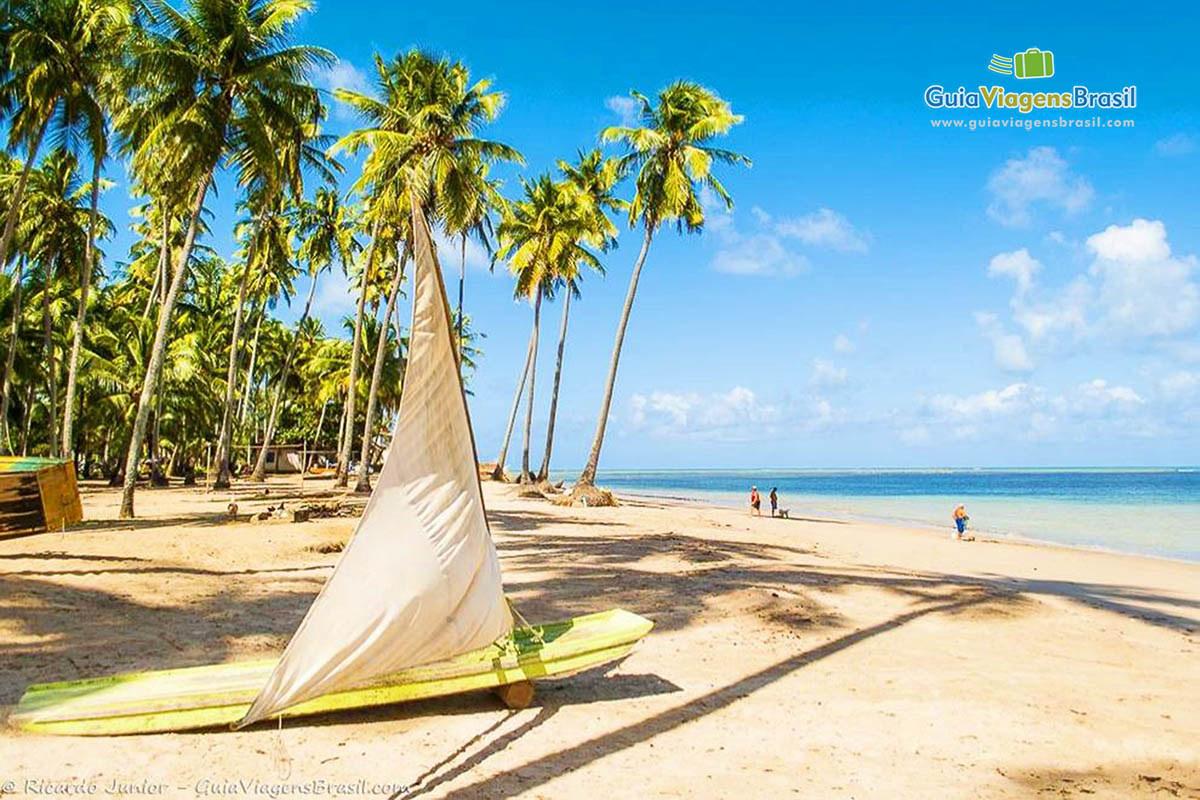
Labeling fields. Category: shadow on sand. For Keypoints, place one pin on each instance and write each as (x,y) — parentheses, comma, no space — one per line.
(100,628)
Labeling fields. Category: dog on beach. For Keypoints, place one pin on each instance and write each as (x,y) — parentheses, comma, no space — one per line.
(783,513)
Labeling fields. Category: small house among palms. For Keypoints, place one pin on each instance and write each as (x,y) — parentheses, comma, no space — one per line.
(282,459)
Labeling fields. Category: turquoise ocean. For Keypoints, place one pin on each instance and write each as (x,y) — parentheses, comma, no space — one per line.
(1145,511)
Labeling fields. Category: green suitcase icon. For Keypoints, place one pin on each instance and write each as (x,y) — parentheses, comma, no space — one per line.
(1033,63)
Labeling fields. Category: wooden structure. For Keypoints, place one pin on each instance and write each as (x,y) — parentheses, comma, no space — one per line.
(282,459)
(37,494)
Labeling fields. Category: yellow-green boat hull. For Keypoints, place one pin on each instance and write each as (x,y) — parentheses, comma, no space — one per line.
(219,694)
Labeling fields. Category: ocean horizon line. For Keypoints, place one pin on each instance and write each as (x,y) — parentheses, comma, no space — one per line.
(748,470)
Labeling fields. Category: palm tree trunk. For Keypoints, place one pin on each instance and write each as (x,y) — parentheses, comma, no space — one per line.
(498,470)
(225,434)
(462,280)
(14,207)
(48,355)
(27,420)
(162,261)
(341,435)
(588,477)
(320,424)
(244,408)
(400,346)
(343,478)
(158,351)
(260,465)
(156,438)
(85,282)
(364,479)
(12,354)
(526,474)
(544,472)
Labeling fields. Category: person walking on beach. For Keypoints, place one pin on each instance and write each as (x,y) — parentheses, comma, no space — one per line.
(755,501)
(960,522)
(774,498)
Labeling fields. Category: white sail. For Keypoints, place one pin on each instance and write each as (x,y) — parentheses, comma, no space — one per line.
(419,580)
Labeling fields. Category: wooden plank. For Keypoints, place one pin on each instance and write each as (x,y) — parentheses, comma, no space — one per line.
(516,695)
(220,694)
(60,495)
(21,509)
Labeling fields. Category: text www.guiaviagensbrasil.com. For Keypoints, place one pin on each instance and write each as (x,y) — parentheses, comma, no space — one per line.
(1021,123)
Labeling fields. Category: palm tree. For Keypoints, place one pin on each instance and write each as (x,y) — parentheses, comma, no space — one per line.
(274,280)
(57,55)
(364,277)
(327,232)
(9,361)
(211,81)
(591,183)
(267,172)
(498,470)
(672,157)
(420,127)
(101,28)
(267,233)
(363,483)
(543,237)
(469,352)
(467,199)
(57,235)
(10,170)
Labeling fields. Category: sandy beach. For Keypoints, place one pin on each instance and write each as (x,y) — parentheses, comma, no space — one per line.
(803,657)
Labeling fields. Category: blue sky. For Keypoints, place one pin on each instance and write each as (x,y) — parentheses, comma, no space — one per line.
(884,293)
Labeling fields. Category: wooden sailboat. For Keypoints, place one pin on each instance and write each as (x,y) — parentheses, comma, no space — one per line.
(415,607)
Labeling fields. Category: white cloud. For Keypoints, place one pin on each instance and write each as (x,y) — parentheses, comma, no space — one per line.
(1139,242)
(843,345)
(738,415)
(1010,353)
(1179,144)
(765,249)
(1064,311)
(1143,290)
(343,75)
(758,254)
(1018,265)
(1091,409)
(1040,179)
(626,108)
(824,228)
(1008,349)
(1098,396)
(1180,384)
(826,374)
(990,403)
(741,253)
(449,253)
(1134,289)
(730,416)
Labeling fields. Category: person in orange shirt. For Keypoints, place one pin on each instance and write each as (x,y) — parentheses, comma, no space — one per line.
(755,501)
(960,522)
